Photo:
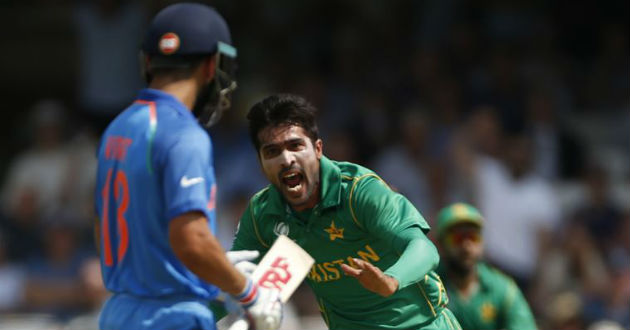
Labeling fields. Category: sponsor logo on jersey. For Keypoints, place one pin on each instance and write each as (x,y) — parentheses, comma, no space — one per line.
(281,228)
(334,232)
(185,182)
(331,270)
(169,43)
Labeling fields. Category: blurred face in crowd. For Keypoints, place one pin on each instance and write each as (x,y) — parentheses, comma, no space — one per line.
(518,155)
(290,161)
(463,247)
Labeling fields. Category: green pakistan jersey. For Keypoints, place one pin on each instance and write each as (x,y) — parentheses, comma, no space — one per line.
(497,304)
(358,216)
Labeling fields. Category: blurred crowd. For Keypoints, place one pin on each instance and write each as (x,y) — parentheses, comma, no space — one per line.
(521,108)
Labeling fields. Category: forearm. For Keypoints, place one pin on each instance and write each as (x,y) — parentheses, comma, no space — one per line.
(214,267)
(201,253)
(418,257)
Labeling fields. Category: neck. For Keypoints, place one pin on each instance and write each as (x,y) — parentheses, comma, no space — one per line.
(463,281)
(183,90)
(310,203)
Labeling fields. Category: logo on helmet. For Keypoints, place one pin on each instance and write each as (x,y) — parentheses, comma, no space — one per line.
(169,43)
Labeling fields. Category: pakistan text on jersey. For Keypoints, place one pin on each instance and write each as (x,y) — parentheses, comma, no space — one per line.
(331,270)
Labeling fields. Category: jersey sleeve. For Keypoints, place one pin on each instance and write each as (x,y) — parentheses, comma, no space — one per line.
(188,175)
(418,256)
(247,234)
(381,211)
(517,314)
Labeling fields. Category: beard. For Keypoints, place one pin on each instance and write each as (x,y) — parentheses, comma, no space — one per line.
(205,108)
(459,267)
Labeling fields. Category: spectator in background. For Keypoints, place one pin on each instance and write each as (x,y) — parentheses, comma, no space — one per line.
(53,284)
(11,281)
(478,138)
(405,164)
(36,177)
(598,215)
(556,153)
(573,273)
(109,32)
(519,206)
(95,295)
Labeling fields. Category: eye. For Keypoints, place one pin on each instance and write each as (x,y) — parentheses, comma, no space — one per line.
(270,152)
(296,145)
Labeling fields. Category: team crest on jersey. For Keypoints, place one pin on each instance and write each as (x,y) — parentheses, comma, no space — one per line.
(281,228)
(334,232)
(169,43)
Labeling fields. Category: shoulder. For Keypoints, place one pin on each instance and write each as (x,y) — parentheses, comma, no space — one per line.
(497,281)
(260,198)
(491,273)
(183,135)
(261,204)
(253,219)
(358,176)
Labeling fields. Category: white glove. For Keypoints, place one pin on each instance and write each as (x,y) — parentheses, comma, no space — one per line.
(242,260)
(263,306)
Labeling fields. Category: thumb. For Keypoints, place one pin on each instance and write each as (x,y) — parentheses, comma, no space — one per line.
(243,255)
(246,268)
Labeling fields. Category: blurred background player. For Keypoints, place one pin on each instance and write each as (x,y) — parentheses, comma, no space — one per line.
(481,297)
(156,190)
(374,263)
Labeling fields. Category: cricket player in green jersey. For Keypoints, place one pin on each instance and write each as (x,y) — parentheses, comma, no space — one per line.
(373,262)
(481,297)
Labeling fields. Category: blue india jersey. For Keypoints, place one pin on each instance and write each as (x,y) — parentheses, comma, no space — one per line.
(154,163)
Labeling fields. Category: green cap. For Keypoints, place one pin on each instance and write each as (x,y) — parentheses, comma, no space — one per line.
(455,214)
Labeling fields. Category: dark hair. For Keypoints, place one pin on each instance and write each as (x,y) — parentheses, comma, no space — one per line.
(178,67)
(282,109)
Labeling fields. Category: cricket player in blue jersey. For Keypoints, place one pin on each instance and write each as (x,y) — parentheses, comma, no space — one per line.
(156,190)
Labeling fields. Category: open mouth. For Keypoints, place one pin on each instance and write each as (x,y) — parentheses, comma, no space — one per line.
(292,180)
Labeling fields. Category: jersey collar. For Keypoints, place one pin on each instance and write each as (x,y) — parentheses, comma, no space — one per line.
(330,190)
(330,183)
(156,95)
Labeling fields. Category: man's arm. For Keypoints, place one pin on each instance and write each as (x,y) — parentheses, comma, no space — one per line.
(418,256)
(391,217)
(196,247)
(517,315)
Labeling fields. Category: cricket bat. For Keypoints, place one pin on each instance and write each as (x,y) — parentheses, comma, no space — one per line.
(284,267)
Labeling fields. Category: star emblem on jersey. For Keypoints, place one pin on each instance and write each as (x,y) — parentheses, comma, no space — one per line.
(488,312)
(334,232)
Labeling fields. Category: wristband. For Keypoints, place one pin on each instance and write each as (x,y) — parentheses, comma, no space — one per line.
(249,295)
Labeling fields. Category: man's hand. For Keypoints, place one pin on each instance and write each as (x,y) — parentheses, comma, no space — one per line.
(371,277)
(242,261)
(263,306)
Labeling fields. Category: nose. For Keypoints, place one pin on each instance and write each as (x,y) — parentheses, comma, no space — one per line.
(287,158)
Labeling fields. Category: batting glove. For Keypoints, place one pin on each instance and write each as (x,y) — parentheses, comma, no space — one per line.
(262,305)
(242,261)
